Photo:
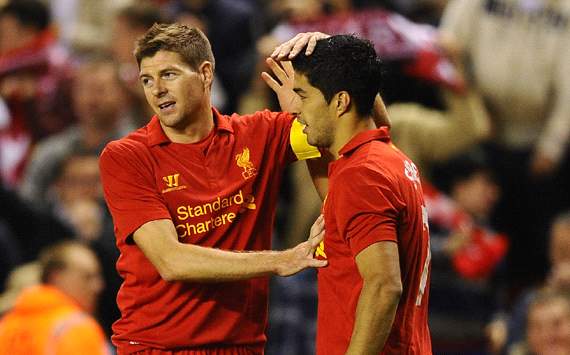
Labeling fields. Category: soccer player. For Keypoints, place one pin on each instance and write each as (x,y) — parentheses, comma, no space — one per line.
(373,295)
(189,193)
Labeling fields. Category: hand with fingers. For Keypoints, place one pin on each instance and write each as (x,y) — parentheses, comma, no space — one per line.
(283,86)
(301,256)
(289,49)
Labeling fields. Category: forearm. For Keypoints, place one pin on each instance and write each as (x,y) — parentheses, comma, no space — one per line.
(375,314)
(177,261)
(465,123)
(194,263)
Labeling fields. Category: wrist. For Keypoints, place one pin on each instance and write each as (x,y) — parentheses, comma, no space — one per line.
(279,262)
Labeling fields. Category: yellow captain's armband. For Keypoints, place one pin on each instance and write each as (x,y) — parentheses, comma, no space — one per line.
(302,149)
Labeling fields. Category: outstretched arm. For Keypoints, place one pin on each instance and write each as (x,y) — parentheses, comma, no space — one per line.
(176,261)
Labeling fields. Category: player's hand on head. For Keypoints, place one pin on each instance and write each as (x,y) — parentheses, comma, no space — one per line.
(282,84)
(295,45)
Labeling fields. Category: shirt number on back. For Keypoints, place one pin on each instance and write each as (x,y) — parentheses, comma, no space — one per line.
(425,271)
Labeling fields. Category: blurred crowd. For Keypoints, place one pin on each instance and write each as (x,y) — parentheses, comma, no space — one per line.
(478,93)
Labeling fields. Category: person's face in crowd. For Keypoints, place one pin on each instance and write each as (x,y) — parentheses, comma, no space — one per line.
(79,180)
(315,113)
(81,278)
(560,243)
(97,95)
(12,34)
(548,329)
(477,195)
(176,92)
(124,36)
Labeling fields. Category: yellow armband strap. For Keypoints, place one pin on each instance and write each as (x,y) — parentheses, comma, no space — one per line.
(302,149)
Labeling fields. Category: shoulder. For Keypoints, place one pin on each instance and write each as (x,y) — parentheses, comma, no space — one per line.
(380,163)
(126,150)
(134,142)
(259,117)
(260,122)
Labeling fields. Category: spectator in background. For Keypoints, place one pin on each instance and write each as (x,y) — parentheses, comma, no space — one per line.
(466,254)
(531,125)
(33,74)
(505,332)
(548,328)
(77,198)
(25,230)
(84,24)
(231,27)
(99,104)
(77,195)
(20,278)
(54,317)
(130,23)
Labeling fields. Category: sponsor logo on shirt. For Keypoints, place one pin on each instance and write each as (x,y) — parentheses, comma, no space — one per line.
(172,183)
(203,218)
(242,160)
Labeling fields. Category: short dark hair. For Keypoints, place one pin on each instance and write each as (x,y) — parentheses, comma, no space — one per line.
(191,43)
(29,13)
(55,257)
(343,62)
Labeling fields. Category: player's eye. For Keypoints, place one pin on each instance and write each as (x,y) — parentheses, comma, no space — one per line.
(146,82)
(169,75)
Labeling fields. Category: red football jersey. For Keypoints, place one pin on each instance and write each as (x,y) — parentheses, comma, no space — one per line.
(374,195)
(221,193)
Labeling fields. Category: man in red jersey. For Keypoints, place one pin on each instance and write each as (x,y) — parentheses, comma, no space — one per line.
(187,193)
(373,295)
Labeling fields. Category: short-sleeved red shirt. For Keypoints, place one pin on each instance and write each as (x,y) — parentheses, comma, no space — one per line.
(220,192)
(374,195)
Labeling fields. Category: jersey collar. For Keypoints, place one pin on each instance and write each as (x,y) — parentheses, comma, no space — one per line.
(157,136)
(380,134)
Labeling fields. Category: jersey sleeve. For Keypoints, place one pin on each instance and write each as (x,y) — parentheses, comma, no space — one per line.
(369,208)
(130,190)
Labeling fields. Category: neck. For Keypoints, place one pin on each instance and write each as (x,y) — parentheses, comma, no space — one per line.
(347,128)
(201,124)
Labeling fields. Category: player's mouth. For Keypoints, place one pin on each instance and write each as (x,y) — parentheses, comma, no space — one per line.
(167,107)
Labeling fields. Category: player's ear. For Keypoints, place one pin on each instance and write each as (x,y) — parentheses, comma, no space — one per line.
(342,101)
(206,72)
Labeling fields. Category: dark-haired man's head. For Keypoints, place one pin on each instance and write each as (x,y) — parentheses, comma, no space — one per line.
(20,22)
(342,76)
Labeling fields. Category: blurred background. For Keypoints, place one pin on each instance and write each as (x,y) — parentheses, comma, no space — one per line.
(478,93)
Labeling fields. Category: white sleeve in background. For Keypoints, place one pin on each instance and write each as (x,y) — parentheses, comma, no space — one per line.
(459,19)
(554,138)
